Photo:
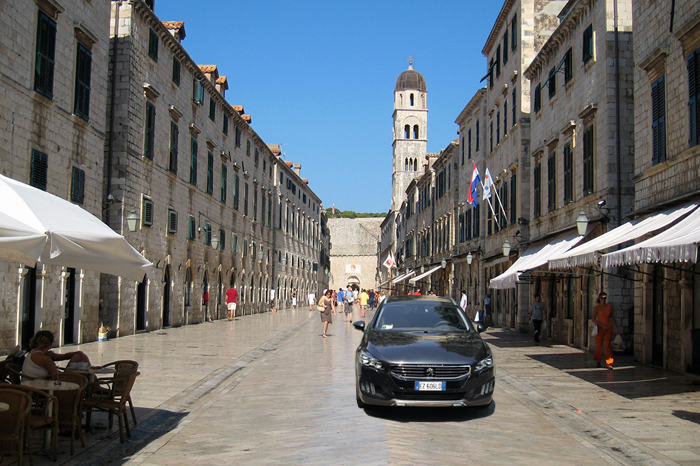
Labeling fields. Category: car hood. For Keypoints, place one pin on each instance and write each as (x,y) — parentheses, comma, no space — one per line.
(426,348)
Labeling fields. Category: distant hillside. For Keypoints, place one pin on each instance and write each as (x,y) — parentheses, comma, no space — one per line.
(352,214)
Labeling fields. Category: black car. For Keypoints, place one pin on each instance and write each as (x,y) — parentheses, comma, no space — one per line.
(422,351)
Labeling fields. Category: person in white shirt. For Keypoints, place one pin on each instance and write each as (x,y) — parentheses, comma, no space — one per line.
(464,301)
(312,301)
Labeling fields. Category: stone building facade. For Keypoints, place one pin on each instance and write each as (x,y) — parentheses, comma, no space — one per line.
(53,126)
(666,167)
(353,256)
(218,206)
(115,116)
(582,153)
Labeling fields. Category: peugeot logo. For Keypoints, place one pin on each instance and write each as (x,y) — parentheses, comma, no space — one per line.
(430,371)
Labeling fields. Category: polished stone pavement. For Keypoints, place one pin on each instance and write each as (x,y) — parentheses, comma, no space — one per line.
(267,389)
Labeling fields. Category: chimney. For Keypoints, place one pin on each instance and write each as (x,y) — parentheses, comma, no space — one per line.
(297,169)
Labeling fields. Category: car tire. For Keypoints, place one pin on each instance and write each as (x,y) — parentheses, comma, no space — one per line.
(360,403)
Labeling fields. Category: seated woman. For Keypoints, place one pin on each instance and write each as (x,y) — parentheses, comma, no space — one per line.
(39,363)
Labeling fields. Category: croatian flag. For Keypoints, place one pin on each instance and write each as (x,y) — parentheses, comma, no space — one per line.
(472,190)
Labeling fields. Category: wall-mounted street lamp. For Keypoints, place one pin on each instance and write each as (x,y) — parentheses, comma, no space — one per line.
(506,248)
(470,258)
(132,221)
(582,223)
(215,242)
(422,269)
(443,263)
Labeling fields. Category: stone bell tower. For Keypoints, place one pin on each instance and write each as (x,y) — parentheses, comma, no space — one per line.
(410,132)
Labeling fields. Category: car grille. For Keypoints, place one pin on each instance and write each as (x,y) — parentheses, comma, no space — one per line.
(433,396)
(428,371)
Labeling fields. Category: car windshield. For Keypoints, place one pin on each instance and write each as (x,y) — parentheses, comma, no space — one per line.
(421,316)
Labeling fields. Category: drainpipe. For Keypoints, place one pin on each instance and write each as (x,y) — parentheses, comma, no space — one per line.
(112,91)
(617,119)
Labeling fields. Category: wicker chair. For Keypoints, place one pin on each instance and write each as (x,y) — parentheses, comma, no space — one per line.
(70,406)
(124,367)
(43,415)
(13,429)
(111,395)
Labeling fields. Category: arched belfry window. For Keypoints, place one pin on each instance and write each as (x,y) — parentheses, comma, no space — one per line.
(411,100)
(407,132)
(405,165)
(415,131)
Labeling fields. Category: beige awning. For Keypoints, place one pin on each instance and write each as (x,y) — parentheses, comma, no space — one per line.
(588,253)
(677,244)
(536,255)
(403,277)
(423,275)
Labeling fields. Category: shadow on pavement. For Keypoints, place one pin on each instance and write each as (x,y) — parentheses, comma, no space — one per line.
(688,416)
(629,379)
(405,414)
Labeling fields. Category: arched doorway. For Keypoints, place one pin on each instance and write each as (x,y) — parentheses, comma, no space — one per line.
(167,285)
(141,304)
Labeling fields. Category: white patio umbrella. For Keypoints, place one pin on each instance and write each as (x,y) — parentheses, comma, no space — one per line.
(36,226)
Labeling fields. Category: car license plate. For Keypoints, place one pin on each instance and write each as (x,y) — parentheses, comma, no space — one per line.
(430,386)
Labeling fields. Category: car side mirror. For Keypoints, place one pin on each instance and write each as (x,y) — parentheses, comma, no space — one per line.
(359,325)
(480,327)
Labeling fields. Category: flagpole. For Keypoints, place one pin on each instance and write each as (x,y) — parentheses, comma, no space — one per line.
(500,203)
(488,199)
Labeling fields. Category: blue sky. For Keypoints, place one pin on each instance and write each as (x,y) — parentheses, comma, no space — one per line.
(318,77)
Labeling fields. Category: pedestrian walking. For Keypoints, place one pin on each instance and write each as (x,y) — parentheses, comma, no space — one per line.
(205,303)
(487,310)
(538,314)
(325,305)
(231,301)
(463,301)
(605,323)
(341,299)
(312,300)
(294,299)
(349,301)
(364,301)
(372,299)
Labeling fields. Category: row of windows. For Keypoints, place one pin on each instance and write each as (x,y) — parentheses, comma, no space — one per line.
(658,109)
(407,132)
(38,176)
(569,174)
(566,66)
(46,63)
(512,44)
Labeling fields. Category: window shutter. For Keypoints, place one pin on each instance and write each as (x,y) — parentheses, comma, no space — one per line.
(538,98)
(147,213)
(224,182)
(191,228)
(153,45)
(225,129)
(174,141)
(39,170)
(210,173)
(172,221)
(552,182)
(222,240)
(82,82)
(77,190)
(234,243)
(568,174)
(693,97)
(588,151)
(193,162)
(150,135)
(587,48)
(658,121)
(45,56)
(513,200)
(176,71)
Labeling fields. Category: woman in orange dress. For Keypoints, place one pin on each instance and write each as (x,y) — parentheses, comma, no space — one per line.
(605,321)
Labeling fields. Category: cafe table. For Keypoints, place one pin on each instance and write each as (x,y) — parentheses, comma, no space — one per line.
(4,406)
(49,386)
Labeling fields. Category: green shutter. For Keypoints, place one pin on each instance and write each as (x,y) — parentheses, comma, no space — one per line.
(82,82)
(77,189)
(176,71)
(150,136)
(39,170)
(147,213)
(153,45)
(172,221)
(193,162)
(174,142)
(45,56)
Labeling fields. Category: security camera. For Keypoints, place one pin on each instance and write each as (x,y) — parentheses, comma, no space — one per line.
(601,203)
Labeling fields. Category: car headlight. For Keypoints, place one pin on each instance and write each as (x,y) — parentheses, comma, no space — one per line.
(484,363)
(368,360)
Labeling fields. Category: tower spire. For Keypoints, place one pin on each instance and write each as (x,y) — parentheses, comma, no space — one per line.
(410,62)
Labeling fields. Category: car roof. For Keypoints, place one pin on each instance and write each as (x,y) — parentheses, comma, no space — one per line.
(399,298)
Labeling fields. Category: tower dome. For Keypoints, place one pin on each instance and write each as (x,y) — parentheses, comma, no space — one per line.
(410,79)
